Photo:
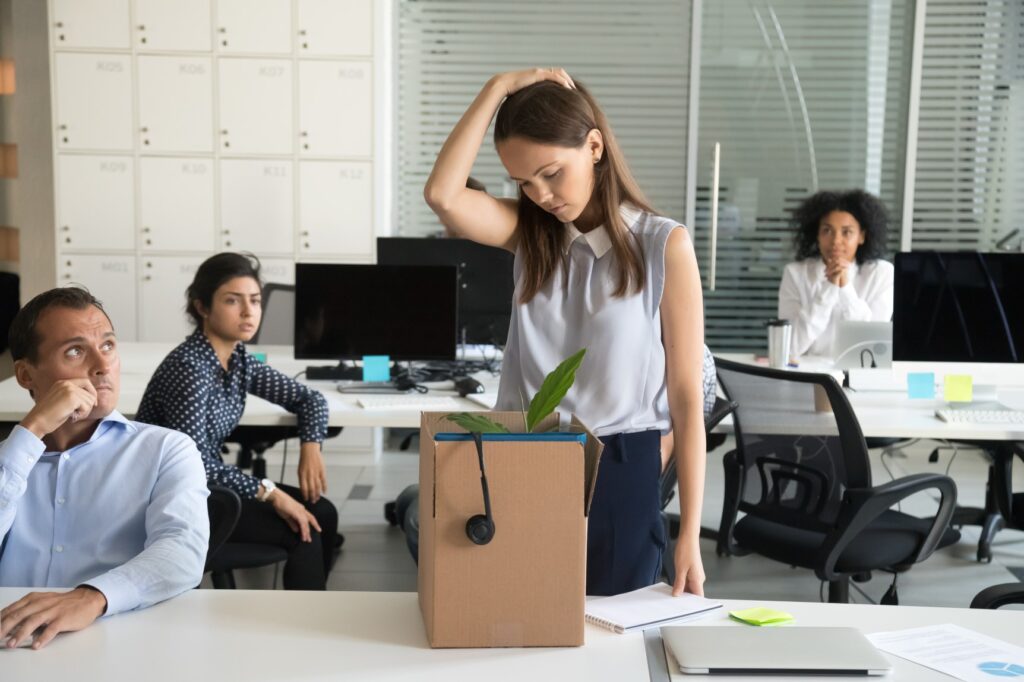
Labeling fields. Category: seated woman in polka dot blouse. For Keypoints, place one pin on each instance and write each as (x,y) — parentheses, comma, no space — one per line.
(200,389)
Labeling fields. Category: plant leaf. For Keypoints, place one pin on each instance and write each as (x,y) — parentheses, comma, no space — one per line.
(554,388)
(476,423)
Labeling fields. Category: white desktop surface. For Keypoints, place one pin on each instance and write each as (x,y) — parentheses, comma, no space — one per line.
(885,414)
(891,414)
(140,360)
(379,636)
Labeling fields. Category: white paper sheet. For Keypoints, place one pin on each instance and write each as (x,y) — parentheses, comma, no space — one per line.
(956,651)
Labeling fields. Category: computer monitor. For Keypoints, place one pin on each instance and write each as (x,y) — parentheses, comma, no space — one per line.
(345,312)
(486,284)
(960,313)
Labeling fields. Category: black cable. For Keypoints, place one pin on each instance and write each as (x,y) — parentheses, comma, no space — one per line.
(871,353)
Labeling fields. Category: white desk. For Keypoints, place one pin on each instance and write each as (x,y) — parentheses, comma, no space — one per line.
(140,360)
(379,636)
(881,414)
(891,414)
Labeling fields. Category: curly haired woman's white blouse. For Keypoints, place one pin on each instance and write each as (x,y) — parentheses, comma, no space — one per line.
(814,305)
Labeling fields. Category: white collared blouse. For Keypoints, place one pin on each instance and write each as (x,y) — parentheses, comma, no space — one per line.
(621,386)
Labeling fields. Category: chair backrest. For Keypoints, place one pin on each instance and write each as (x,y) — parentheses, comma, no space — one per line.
(798,444)
(224,507)
(278,325)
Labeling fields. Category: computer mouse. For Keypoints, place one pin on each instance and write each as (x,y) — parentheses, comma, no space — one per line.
(467,385)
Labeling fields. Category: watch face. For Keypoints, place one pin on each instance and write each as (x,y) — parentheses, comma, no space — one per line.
(268,485)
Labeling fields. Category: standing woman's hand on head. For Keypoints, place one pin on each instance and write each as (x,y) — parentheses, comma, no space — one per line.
(514,81)
(465,212)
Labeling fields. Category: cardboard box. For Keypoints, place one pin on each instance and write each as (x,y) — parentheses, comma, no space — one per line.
(527,586)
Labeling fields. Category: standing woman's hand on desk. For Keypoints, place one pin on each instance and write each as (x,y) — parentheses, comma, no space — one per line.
(689,567)
(312,473)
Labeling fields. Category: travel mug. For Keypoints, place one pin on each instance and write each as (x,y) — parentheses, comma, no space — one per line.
(779,334)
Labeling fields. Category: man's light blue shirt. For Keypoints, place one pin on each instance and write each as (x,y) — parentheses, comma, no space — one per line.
(124,512)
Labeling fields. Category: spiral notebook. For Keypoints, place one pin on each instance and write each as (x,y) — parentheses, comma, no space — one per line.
(645,608)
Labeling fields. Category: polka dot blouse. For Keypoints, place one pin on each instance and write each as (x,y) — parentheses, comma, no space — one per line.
(190,392)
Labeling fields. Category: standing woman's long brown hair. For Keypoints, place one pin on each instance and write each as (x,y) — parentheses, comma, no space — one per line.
(552,114)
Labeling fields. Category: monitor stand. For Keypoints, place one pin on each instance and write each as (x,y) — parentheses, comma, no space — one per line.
(341,372)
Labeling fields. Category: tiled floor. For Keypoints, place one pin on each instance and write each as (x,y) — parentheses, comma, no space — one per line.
(375,555)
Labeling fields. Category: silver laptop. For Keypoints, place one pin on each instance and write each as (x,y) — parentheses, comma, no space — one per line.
(779,650)
(857,343)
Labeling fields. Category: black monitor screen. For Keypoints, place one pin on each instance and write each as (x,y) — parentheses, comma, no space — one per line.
(486,285)
(959,307)
(348,311)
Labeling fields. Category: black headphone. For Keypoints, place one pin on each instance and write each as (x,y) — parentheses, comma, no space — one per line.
(480,528)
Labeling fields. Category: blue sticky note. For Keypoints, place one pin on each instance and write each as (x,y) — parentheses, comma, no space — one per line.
(262,357)
(921,385)
(376,368)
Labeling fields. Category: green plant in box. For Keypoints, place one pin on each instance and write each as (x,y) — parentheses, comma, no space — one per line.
(555,386)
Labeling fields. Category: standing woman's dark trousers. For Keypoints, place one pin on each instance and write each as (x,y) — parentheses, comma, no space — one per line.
(308,562)
(625,533)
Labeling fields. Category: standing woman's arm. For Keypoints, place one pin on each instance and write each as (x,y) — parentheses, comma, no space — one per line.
(682,318)
(468,213)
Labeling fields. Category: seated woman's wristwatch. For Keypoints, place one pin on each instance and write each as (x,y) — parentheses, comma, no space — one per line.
(268,488)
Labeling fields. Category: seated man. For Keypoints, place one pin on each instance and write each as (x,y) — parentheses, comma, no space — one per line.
(89,500)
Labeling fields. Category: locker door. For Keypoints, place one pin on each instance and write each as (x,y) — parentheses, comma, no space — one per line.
(256,106)
(175,104)
(177,25)
(336,108)
(176,204)
(94,101)
(256,206)
(278,270)
(336,209)
(262,26)
(90,23)
(111,279)
(336,27)
(164,280)
(95,206)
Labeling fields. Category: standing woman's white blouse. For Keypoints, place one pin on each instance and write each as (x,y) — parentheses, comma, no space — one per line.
(814,305)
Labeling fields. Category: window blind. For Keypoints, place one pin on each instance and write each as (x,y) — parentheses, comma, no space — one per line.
(633,56)
(969,187)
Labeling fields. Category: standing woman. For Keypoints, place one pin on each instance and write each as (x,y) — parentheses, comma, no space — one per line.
(839,273)
(595,268)
(200,390)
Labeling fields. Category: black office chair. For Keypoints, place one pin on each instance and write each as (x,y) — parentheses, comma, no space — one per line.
(997,596)
(223,557)
(1003,508)
(276,328)
(802,480)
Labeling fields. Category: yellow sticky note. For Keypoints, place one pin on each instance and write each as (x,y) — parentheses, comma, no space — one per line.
(759,615)
(958,388)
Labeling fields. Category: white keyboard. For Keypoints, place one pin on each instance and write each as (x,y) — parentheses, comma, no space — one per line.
(412,403)
(981,416)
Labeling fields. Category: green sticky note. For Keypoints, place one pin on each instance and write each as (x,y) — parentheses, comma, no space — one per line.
(759,615)
(959,388)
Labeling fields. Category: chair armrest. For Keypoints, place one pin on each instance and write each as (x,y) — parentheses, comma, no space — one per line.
(999,595)
(861,506)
